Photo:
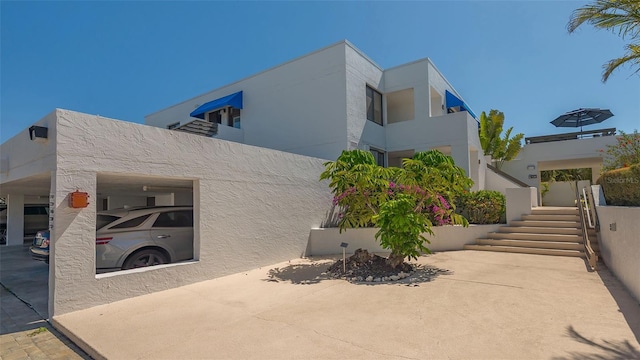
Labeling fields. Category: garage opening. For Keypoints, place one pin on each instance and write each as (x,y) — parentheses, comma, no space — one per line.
(143,221)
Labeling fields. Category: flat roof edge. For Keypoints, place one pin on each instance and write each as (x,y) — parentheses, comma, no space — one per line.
(344,41)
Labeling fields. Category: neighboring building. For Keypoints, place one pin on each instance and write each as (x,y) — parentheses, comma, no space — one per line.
(333,99)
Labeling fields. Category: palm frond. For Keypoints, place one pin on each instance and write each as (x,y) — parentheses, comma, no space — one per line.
(632,57)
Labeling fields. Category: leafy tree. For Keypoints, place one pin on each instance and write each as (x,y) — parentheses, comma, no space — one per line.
(437,171)
(618,16)
(403,203)
(500,149)
(401,229)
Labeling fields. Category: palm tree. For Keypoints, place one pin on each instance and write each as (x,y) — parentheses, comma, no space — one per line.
(618,16)
(500,149)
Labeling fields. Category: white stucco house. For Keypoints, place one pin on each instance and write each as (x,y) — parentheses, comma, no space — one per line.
(254,187)
(334,99)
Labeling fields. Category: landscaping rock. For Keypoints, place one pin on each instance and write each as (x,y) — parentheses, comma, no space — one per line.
(363,265)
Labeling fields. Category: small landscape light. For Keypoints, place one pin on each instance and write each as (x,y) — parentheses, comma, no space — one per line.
(344,255)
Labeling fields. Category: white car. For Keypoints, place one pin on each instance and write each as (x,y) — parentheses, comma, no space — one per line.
(138,237)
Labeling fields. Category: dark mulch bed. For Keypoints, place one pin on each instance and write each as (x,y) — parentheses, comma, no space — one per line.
(363,264)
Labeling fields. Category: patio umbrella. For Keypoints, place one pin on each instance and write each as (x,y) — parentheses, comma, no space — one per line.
(582,117)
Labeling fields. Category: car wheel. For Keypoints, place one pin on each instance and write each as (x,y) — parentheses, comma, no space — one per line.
(143,258)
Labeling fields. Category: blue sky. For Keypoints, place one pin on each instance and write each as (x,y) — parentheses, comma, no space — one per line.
(126,59)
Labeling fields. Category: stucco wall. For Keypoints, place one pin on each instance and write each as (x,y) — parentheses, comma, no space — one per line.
(360,71)
(299,106)
(411,76)
(563,193)
(21,157)
(556,155)
(620,244)
(446,238)
(253,206)
(496,182)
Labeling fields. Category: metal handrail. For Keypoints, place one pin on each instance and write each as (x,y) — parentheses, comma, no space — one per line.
(591,255)
(588,205)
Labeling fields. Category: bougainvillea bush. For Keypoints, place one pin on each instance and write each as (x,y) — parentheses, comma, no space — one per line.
(624,153)
(403,203)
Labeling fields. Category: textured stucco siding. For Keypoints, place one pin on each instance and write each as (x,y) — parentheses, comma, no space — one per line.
(298,107)
(21,157)
(620,244)
(411,76)
(253,206)
(360,72)
(569,151)
(496,182)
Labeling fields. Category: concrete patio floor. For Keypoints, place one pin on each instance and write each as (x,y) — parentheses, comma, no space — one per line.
(486,306)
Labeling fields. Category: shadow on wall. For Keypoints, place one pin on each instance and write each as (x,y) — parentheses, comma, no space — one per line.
(606,349)
(629,307)
(331,218)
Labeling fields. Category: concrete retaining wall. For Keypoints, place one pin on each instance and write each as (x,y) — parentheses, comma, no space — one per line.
(446,238)
(620,244)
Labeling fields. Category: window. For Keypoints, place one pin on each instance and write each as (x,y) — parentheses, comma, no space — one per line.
(173,126)
(183,218)
(378,155)
(234,117)
(215,116)
(131,223)
(229,116)
(104,220)
(374,105)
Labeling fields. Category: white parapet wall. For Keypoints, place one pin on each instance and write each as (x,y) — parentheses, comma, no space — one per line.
(252,206)
(326,241)
(620,242)
(520,201)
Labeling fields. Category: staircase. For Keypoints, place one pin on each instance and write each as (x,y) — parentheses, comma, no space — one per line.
(547,231)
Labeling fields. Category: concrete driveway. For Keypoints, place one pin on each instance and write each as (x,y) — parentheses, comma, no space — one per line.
(24,292)
(480,305)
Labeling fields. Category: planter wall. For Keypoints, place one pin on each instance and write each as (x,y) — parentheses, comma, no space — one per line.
(446,238)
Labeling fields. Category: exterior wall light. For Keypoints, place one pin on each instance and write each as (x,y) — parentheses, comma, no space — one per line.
(38,133)
(531,167)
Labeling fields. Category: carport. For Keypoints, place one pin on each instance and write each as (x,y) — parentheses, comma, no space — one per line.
(113,191)
(251,206)
(33,189)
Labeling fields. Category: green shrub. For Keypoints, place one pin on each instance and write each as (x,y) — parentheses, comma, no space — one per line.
(483,207)
(621,187)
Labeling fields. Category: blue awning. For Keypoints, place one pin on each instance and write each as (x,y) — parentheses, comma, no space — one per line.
(453,101)
(234,100)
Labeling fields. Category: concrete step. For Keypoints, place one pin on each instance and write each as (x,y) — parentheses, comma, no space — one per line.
(524,250)
(546,223)
(543,210)
(540,230)
(534,236)
(563,245)
(535,217)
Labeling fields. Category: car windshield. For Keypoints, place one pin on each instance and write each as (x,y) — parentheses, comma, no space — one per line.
(104,220)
